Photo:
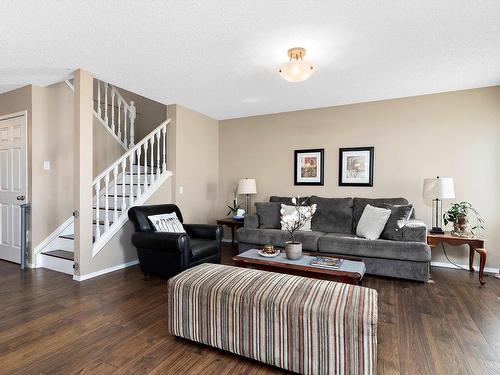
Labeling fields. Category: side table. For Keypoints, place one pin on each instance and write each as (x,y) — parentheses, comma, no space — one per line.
(231,223)
(475,244)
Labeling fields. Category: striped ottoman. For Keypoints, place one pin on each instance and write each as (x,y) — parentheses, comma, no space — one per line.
(300,324)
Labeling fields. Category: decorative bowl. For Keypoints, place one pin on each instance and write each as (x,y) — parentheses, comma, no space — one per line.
(267,255)
(236,217)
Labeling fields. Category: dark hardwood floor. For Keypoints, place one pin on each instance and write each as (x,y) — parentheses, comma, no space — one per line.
(116,324)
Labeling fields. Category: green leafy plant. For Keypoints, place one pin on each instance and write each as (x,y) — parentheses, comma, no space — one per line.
(459,213)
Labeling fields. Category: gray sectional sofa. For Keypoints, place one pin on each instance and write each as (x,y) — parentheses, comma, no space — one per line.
(333,232)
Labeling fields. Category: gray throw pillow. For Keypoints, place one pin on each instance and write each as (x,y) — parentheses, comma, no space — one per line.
(269,214)
(400,214)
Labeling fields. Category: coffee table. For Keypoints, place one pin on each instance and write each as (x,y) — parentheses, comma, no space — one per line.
(349,272)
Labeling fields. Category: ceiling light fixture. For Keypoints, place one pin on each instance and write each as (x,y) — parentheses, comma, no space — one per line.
(296,70)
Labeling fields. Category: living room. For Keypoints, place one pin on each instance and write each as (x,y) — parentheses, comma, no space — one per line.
(349,133)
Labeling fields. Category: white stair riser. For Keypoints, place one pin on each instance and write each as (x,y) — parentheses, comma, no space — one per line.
(142,168)
(111,213)
(55,264)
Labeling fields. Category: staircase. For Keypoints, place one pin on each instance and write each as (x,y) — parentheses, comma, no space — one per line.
(127,182)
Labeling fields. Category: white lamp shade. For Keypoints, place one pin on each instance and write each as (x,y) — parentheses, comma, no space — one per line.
(440,188)
(247,186)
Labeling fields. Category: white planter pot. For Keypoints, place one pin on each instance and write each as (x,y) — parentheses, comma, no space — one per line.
(293,250)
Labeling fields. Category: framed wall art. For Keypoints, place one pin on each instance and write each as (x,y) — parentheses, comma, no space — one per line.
(309,167)
(356,166)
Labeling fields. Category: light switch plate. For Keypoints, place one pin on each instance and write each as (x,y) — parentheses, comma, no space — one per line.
(46,165)
(181,189)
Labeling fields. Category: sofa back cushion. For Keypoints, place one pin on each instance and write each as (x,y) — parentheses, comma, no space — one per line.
(360,204)
(269,214)
(333,215)
(288,200)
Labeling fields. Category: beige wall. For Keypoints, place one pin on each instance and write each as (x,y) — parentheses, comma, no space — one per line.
(453,134)
(106,150)
(193,158)
(52,130)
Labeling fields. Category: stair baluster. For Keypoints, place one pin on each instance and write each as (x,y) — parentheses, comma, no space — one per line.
(113,109)
(131,179)
(106,103)
(119,134)
(124,172)
(152,161)
(158,154)
(106,202)
(97,228)
(145,182)
(99,98)
(125,124)
(164,164)
(115,200)
(139,174)
(132,122)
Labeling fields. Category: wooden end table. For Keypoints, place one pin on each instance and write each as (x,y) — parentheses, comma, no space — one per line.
(476,244)
(231,223)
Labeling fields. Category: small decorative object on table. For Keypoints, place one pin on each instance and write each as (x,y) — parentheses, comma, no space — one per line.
(269,251)
(292,223)
(326,262)
(459,214)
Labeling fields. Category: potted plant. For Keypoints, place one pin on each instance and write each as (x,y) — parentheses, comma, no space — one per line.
(233,210)
(294,222)
(459,214)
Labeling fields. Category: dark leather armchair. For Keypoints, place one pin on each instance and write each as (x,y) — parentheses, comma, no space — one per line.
(167,254)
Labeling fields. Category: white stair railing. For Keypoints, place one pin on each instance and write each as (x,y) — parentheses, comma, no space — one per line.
(127,182)
(115,113)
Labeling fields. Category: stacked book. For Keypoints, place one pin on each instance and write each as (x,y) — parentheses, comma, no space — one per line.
(326,262)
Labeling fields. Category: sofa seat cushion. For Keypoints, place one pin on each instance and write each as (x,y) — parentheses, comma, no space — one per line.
(332,214)
(359,206)
(348,244)
(277,237)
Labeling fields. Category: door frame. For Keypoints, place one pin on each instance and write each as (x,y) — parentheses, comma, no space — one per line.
(27,153)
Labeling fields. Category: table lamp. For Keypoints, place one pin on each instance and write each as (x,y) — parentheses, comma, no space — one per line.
(247,186)
(437,189)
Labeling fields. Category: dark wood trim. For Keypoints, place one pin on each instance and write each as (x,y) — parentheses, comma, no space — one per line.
(321,182)
(372,157)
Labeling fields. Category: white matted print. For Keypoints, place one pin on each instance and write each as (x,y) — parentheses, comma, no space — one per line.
(309,167)
(356,166)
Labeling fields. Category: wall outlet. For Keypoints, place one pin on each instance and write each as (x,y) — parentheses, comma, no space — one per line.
(46,165)
(181,189)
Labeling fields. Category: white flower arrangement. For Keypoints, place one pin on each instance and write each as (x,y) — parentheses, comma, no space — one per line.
(298,218)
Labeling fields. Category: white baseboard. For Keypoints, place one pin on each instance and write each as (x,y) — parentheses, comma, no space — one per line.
(105,271)
(449,265)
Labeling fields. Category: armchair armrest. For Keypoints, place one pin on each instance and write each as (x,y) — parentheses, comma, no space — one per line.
(251,221)
(415,231)
(164,241)
(213,232)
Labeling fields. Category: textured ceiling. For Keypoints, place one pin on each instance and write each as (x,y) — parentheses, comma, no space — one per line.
(220,57)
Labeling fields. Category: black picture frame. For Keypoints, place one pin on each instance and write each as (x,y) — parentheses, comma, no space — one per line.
(342,178)
(299,180)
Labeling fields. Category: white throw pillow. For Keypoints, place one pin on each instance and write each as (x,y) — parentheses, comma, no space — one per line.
(372,222)
(167,223)
(290,211)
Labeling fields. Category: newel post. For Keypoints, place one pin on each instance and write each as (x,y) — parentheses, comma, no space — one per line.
(132,115)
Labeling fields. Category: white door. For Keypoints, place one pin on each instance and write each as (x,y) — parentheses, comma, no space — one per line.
(12,184)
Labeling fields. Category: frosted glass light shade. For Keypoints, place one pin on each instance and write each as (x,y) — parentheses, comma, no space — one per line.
(247,186)
(296,70)
(439,187)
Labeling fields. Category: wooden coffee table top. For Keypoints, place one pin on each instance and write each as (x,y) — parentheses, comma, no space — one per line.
(350,271)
